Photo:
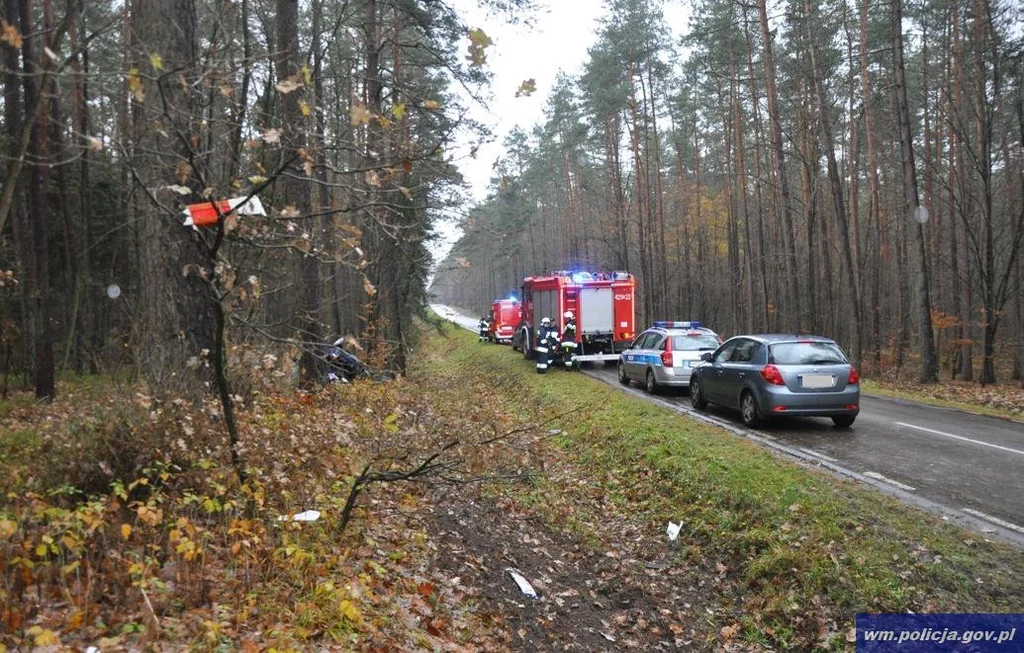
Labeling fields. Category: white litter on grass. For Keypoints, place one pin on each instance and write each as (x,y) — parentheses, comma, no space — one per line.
(524,585)
(309,515)
(673,531)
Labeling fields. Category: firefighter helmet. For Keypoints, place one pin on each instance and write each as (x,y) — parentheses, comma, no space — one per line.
(546,321)
(568,315)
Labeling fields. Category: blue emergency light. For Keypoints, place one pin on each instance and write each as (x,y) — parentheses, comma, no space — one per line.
(580,277)
(675,324)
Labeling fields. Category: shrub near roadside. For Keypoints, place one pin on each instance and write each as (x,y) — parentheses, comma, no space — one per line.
(138,530)
(136,523)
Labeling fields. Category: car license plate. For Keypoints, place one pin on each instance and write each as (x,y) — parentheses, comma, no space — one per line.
(817,380)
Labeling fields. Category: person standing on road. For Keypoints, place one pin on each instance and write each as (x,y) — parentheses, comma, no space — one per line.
(547,339)
(569,339)
(484,327)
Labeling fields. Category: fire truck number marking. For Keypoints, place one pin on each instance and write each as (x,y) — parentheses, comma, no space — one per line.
(623,297)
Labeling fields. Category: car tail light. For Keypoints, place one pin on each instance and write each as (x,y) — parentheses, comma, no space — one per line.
(666,356)
(772,375)
(854,376)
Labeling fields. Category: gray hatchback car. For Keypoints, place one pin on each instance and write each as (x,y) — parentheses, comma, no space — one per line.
(775,375)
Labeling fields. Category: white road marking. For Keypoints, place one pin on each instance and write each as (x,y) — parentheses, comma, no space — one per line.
(995,520)
(886,479)
(814,453)
(960,437)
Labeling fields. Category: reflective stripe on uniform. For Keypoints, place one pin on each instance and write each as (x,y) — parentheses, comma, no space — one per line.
(542,366)
(542,350)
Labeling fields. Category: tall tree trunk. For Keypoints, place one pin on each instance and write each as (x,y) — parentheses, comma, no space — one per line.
(642,201)
(760,314)
(738,204)
(1017,374)
(384,247)
(296,185)
(38,279)
(810,155)
(83,323)
(853,167)
(882,250)
(658,202)
(987,79)
(793,313)
(929,363)
(30,114)
(177,332)
(960,190)
(240,101)
(838,201)
(14,197)
(613,165)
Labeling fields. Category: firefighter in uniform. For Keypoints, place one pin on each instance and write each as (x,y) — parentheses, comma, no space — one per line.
(569,340)
(547,339)
(483,328)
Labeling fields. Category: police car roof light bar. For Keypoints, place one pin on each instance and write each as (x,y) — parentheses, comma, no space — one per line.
(676,324)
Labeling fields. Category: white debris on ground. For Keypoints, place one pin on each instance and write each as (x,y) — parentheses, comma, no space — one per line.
(308,515)
(524,585)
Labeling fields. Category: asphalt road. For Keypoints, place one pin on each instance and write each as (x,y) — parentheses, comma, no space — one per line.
(967,468)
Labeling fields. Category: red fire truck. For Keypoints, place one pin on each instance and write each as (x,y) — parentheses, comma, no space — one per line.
(505,317)
(602,304)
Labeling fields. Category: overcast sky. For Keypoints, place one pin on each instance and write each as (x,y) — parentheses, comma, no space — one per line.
(561,33)
(559,39)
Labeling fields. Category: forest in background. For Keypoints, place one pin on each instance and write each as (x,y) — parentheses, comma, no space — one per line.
(852,168)
(338,517)
(337,117)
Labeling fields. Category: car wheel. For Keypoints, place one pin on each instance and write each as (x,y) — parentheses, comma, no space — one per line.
(527,347)
(697,399)
(652,385)
(748,411)
(623,378)
(843,421)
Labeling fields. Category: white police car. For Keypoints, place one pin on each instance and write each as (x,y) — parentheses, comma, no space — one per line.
(665,354)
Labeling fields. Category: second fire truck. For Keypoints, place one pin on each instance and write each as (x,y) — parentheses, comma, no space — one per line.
(602,303)
(506,314)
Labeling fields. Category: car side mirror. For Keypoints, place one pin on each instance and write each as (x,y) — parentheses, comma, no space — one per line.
(707,356)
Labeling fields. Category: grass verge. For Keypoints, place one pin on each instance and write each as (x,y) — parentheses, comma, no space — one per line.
(800,552)
(124,526)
